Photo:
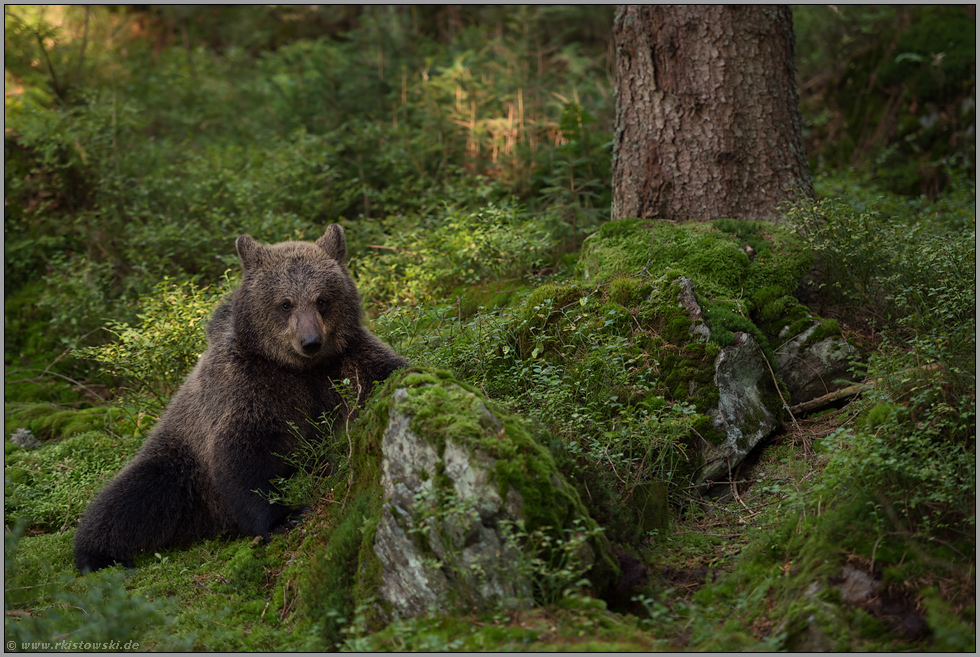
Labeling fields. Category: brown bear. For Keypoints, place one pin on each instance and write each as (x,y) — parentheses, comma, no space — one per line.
(276,347)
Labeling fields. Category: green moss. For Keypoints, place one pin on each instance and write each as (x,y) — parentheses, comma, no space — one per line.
(716,264)
(951,631)
(549,298)
(50,421)
(664,314)
(614,319)
(736,293)
(246,569)
(775,311)
(218,594)
(628,292)
(789,576)
(329,581)
(828,328)
(796,328)
(724,320)
(625,247)
(581,625)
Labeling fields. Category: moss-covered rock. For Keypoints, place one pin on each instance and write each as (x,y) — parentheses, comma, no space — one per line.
(715,256)
(744,403)
(815,361)
(728,284)
(469,510)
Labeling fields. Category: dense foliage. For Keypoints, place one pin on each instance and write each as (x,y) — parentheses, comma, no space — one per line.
(466,151)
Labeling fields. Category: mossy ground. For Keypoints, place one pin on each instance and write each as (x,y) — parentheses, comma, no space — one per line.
(605,368)
(579,625)
(736,571)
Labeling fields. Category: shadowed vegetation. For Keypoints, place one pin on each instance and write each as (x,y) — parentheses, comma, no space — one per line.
(466,151)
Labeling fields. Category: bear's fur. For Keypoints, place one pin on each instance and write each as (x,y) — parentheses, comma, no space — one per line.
(275,348)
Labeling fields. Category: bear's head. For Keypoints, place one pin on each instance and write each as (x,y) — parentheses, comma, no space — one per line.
(297,304)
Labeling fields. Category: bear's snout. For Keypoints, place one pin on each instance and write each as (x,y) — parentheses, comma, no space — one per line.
(311,344)
(308,333)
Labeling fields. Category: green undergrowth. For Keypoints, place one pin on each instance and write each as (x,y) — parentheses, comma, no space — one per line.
(601,380)
(783,563)
(604,357)
(49,487)
(94,614)
(580,624)
(798,580)
(219,594)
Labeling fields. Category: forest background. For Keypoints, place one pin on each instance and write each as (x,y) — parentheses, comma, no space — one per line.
(466,151)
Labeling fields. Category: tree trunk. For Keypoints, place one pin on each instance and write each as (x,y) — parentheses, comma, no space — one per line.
(707,119)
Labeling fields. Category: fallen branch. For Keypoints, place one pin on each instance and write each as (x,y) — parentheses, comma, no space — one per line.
(826,400)
(820,403)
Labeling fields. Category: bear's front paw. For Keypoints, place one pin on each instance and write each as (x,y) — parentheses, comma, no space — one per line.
(292,520)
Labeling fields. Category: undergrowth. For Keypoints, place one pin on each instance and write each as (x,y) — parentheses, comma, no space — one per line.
(466,152)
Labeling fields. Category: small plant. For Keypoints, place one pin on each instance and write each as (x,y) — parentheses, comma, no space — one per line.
(156,355)
(322,461)
(554,562)
(95,614)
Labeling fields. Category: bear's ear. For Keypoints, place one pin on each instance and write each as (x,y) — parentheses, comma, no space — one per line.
(334,243)
(249,251)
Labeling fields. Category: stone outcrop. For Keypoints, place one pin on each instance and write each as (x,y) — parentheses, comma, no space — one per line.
(452,524)
(747,409)
(746,395)
(811,368)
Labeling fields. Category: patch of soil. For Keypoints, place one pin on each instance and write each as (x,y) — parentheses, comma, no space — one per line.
(688,579)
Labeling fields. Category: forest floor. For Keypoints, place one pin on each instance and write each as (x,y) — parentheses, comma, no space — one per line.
(721,521)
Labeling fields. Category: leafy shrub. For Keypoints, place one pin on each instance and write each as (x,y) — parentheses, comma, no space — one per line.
(459,249)
(916,271)
(155,356)
(911,124)
(94,614)
(900,260)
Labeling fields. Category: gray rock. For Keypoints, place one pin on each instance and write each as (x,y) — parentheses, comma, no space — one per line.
(812,370)
(744,383)
(689,300)
(856,585)
(442,540)
(24,438)
(745,392)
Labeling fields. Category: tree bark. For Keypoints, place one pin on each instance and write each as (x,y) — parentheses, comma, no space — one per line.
(707,119)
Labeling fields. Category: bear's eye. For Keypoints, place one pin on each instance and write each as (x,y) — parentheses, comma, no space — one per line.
(286,305)
(321,304)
